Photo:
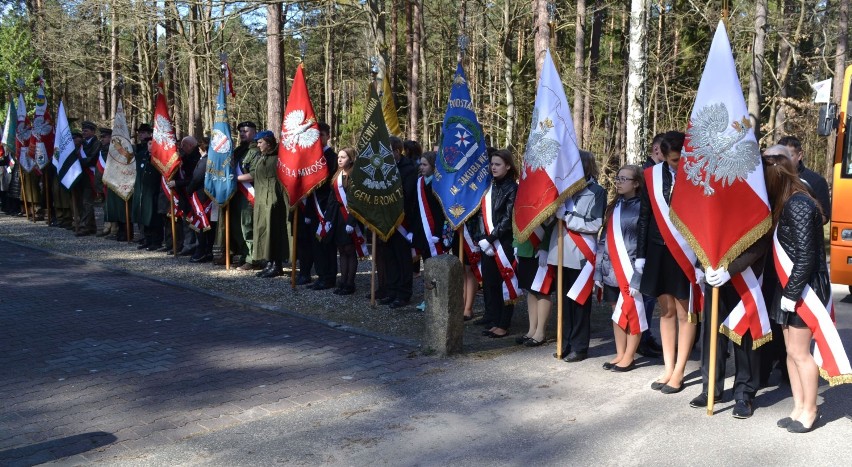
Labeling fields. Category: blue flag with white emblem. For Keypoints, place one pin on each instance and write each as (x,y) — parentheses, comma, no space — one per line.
(461,170)
(220,181)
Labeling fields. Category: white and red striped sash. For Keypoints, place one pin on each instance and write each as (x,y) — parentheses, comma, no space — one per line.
(750,314)
(199,218)
(677,245)
(427,219)
(101,163)
(507,271)
(581,289)
(172,195)
(246,188)
(544,276)
(628,312)
(828,353)
(357,235)
(473,257)
(322,231)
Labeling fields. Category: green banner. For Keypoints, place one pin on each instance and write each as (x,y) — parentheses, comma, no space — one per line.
(375,193)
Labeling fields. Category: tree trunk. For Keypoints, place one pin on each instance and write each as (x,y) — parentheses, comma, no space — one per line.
(113,55)
(635,131)
(274,62)
(194,99)
(755,86)
(787,50)
(392,52)
(103,98)
(541,41)
(329,70)
(579,64)
(592,75)
(414,70)
(508,79)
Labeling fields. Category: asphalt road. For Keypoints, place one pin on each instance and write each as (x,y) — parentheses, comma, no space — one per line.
(106,368)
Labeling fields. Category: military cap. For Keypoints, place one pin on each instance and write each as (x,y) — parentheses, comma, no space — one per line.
(263,134)
(106,131)
(249,124)
(87,125)
(145,127)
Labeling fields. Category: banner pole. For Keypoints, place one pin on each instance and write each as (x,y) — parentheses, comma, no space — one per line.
(75,222)
(560,246)
(128,227)
(46,198)
(293,249)
(228,236)
(373,274)
(461,245)
(24,192)
(174,231)
(714,327)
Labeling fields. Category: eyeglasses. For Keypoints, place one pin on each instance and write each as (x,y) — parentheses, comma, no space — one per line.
(622,179)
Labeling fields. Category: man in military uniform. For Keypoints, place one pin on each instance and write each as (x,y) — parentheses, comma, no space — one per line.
(146,192)
(241,216)
(85,185)
(61,196)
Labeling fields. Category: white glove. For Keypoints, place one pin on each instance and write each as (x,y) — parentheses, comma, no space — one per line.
(448,242)
(308,220)
(476,249)
(410,237)
(489,251)
(699,276)
(434,240)
(634,292)
(350,229)
(515,251)
(598,285)
(328,226)
(717,277)
(639,265)
(542,258)
(788,305)
(484,245)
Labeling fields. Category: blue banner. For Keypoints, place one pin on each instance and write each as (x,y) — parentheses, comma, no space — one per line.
(220,181)
(461,170)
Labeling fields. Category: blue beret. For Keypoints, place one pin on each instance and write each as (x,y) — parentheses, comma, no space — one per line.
(264,134)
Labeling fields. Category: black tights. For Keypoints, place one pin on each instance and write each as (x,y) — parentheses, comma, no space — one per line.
(348,264)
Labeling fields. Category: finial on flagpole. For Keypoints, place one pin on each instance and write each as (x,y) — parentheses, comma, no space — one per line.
(303,49)
(119,85)
(21,84)
(463,42)
(551,19)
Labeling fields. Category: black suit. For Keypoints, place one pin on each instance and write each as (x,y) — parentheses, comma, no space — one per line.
(325,251)
(396,254)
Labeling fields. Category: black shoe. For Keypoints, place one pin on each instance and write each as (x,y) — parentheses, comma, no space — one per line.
(646,351)
(521,339)
(624,369)
(266,269)
(666,389)
(347,290)
(574,357)
(163,248)
(201,259)
(274,272)
(187,252)
(533,343)
(153,248)
(387,300)
(797,427)
(400,303)
(656,385)
(303,280)
(784,422)
(607,365)
(742,409)
(142,246)
(699,401)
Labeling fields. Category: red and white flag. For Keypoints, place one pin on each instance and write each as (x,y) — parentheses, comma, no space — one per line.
(23,132)
(301,164)
(164,151)
(41,139)
(552,168)
(719,201)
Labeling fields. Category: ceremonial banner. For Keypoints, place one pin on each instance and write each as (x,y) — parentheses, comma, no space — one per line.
(164,153)
(462,172)
(220,181)
(375,194)
(67,164)
(41,139)
(23,132)
(229,82)
(719,201)
(388,107)
(8,142)
(301,164)
(552,168)
(120,169)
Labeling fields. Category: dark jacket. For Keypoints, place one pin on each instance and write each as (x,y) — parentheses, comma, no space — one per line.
(502,206)
(196,183)
(408,176)
(324,191)
(647,229)
(818,187)
(339,220)
(420,241)
(800,235)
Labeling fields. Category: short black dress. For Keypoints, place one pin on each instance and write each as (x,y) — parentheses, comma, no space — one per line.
(662,275)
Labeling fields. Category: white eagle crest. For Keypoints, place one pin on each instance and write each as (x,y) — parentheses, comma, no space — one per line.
(298,131)
(541,151)
(163,133)
(41,127)
(717,153)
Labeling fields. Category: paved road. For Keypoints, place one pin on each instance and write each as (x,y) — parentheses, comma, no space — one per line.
(98,363)
(113,369)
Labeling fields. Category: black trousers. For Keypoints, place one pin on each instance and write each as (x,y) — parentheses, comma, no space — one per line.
(576,318)
(325,261)
(497,312)
(399,271)
(305,251)
(746,360)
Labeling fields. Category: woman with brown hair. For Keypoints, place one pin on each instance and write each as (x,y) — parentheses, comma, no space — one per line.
(801,303)
(346,232)
(270,208)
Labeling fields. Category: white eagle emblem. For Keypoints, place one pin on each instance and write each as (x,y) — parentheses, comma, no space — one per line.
(298,131)
(163,133)
(541,150)
(718,154)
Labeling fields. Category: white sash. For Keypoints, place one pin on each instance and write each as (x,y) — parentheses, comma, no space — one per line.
(750,314)
(507,271)
(628,312)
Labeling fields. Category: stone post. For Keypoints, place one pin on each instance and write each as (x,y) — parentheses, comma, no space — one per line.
(444,292)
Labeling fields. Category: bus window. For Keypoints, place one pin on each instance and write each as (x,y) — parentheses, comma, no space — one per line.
(846,165)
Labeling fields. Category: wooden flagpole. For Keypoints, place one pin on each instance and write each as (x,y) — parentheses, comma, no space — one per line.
(24,192)
(293,249)
(560,246)
(228,236)
(174,231)
(128,227)
(373,274)
(714,331)
(461,244)
(46,197)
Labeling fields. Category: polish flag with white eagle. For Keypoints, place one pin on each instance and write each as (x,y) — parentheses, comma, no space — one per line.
(719,201)
(552,168)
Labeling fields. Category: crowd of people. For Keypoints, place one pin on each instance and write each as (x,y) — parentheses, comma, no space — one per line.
(633,270)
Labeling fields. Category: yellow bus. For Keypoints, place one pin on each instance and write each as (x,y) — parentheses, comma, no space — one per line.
(840,231)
